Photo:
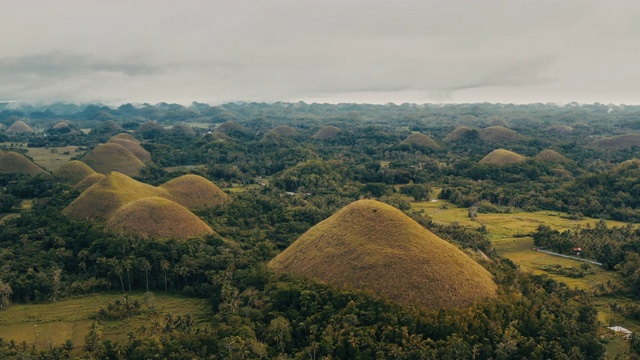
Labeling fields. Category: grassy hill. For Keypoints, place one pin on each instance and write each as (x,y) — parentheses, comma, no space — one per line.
(160,217)
(421,140)
(134,147)
(458,134)
(113,157)
(12,162)
(372,246)
(502,157)
(86,183)
(619,142)
(109,194)
(74,171)
(125,136)
(559,129)
(19,127)
(195,192)
(551,156)
(326,132)
(498,135)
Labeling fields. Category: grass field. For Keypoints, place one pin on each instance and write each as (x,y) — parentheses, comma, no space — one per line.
(50,159)
(43,324)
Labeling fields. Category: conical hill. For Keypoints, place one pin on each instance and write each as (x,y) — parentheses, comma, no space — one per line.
(195,192)
(19,127)
(421,140)
(373,246)
(327,132)
(549,155)
(86,183)
(134,147)
(12,162)
(74,171)
(155,216)
(107,195)
(502,157)
(113,157)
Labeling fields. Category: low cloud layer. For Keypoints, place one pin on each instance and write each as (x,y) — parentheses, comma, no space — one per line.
(335,51)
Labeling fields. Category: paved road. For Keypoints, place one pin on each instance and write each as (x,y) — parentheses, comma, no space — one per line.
(570,257)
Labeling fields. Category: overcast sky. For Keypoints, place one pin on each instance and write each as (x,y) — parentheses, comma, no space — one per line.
(324,51)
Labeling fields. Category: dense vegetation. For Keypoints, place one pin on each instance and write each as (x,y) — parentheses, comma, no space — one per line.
(295,177)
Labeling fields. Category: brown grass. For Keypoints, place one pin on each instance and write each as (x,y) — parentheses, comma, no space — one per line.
(113,157)
(12,162)
(421,140)
(619,142)
(373,246)
(559,129)
(458,133)
(107,195)
(74,171)
(134,147)
(125,136)
(502,157)
(195,192)
(155,216)
(498,135)
(326,132)
(551,156)
(282,130)
(86,183)
(19,127)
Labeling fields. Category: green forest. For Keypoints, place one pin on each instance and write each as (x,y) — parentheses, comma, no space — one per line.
(199,202)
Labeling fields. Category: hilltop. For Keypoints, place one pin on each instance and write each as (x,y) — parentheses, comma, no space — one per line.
(195,192)
(12,162)
(19,127)
(551,156)
(74,171)
(155,216)
(502,157)
(373,246)
(459,133)
(559,129)
(113,157)
(421,140)
(133,146)
(86,183)
(107,195)
(282,130)
(326,132)
(497,135)
(619,142)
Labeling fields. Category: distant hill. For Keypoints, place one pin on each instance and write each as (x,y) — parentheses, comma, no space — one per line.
(327,132)
(372,246)
(113,157)
(182,130)
(421,140)
(62,128)
(125,136)
(195,192)
(502,157)
(498,135)
(282,130)
(619,142)
(107,195)
(155,216)
(559,129)
(19,127)
(74,171)
(459,133)
(551,156)
(133,146)
(14,163)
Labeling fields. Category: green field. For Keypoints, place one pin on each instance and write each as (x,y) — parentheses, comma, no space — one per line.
(54,323)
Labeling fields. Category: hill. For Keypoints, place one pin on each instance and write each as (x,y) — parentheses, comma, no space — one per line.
(559,129)
(150,130)
(74,171)
(195,192)
(134,147)
(108,127)
(459,133)
(282,130)
(498,135)
(62,128)
(14,163)
(421,140)
(19,127)
(326,132)
(551,156)
(230,127)
(113,157)
(107,195)
(125,136)
(372,246)
(502,157)
(619,142)
(155,216)
(86,183)
(182,130)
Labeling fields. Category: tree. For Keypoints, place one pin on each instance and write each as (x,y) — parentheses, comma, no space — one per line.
(6,291)
(165,265)
(279,332)
(146,266)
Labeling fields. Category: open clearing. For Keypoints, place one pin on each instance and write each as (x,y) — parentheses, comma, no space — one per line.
(50,159)
(54,323)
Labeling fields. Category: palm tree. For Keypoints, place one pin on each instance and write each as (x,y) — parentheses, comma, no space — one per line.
(6,291)
(165,265)
(146,266)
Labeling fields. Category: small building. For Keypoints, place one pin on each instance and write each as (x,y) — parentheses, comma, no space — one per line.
(620,330)
(577,251)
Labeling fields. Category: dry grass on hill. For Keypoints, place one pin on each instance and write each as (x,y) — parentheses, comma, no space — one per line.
(12,162)
(134,147)
(458,133)
(498,135)
(551,156)
(195,192)
(19,127)
(125,136)
(155,216)
(113,157)
(74,171)
(619,142)
(86,183)
(559,129)
(372,246)
(231,126)
(502,157)
(421,140)
(107,195)
(326,132)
